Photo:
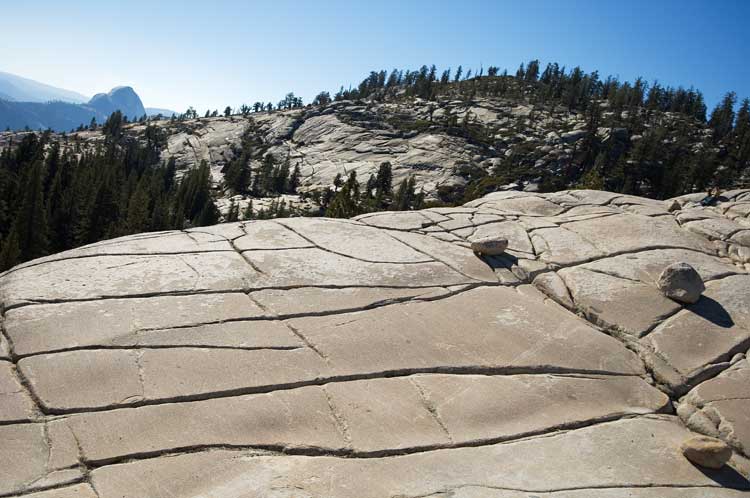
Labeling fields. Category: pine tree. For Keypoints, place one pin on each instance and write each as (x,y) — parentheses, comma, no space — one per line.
(139,215)
(233,214)
(10,252)
(30,226)
(294,180)
(384,184)
(247,213)
(209,215)
(722,118)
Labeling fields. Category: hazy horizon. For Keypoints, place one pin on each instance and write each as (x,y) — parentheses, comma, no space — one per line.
(180,54)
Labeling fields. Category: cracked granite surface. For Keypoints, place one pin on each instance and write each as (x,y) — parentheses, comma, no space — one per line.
(379,357)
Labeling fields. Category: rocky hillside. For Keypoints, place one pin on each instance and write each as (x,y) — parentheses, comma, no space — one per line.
(462,139)
(381,357)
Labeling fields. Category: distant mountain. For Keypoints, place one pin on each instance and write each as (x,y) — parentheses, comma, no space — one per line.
(121,98)
(155,111)
(20,89)
(65,116)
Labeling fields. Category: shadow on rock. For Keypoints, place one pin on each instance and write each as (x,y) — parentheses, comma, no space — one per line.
(504,260)
(726,477)
(712,311)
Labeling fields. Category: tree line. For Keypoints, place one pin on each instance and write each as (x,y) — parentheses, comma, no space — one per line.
(55,194)
(665,142)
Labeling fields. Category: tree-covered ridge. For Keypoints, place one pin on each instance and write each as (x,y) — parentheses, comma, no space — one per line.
(640,138)
(56,195)
(61,191)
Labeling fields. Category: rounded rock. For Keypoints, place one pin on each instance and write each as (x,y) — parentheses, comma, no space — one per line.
(706,451)
(680,282)
(490,246)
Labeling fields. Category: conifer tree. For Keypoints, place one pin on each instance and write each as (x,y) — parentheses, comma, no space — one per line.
(30,226)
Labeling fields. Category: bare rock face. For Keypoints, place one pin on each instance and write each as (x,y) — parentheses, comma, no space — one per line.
(680,282)
(379,357)
(706,451)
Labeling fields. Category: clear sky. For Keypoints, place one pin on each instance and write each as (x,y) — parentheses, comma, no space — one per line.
(213,53)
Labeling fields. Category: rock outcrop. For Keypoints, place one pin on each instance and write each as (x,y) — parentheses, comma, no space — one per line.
(380,357)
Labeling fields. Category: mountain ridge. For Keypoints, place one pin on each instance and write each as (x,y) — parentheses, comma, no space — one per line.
(23,89)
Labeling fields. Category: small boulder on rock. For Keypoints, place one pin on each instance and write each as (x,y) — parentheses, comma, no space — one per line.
(489,246)
(706,451)
(680,282)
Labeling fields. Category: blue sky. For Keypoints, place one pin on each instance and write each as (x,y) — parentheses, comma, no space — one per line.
(210,54)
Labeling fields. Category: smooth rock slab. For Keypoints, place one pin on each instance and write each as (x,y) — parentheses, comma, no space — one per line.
(612,302)
(616,492)
(455,257)
(485,328)
(119,322)
(76,491)
(118,276)
(646,266)
(169,242)
(4,349)
(293,419)
(355,240)
(269,235)
(122,377)
(708,332)
(15,403)
(511,331)
(477,408)
(399,220)
(375,416)
(530,205)
(311,267)
(581,241)
(316,300)
(617,454)
(27,462)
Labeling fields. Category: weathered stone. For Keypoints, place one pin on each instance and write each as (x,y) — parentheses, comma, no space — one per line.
(296,418)
(510,331)
(708,332)
(381,357)
(4,349)
(680,282)
(610,301)
(123,377)
(512,231)
(119,276)
(723,404)
(706,451)
(121,322)
(533,465)
(355,240)
(553,286)
(401,220)
(144,244)
(266,235)
(75,491)
(317,301)
(490,246)
(17,405)
(315,267)
(26,460)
